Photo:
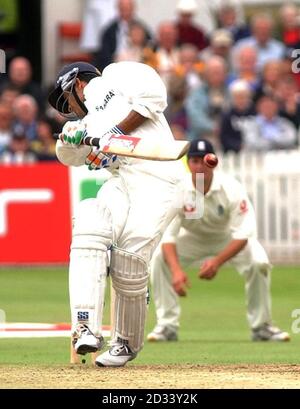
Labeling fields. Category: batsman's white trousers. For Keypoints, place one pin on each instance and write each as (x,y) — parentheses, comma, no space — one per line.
(252,262)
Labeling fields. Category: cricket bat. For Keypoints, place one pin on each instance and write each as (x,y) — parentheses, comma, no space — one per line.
(141,148)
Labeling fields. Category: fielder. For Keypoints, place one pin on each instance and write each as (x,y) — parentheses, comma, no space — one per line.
(225,232)
(121,228)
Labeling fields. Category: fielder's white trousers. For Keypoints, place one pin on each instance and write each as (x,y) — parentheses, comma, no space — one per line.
(252,262)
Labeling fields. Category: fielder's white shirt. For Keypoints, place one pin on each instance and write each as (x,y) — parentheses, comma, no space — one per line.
(227,212)
(123,87)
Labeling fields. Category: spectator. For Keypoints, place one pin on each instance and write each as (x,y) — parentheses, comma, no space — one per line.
(138,45)
(115,37)
(288,97)
(189,66)
(271,74)
(205,104)
(267,47)
(25,112)
(289,17)
(18,152)
(188,31)
(220,45)
(268,130)
(97,14)
(244,66)
(45,145)
(176,113)
(8,95)
(241,109)
(227,19)
(5,126)
(166,53)
(20,76)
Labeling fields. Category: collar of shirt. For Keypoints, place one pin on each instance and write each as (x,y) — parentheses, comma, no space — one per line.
(215,184)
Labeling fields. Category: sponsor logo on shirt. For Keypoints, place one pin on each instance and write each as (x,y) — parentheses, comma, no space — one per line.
(106,101)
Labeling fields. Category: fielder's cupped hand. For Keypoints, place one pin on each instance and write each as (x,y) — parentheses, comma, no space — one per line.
(209,269)
(180,282)
(73,132)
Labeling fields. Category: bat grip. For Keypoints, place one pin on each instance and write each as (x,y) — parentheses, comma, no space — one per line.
(87,140)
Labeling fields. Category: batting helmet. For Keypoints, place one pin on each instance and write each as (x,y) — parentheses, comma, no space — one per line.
(65,83)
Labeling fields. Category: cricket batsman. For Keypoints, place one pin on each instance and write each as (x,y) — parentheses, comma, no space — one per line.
(120,229)
(226,232)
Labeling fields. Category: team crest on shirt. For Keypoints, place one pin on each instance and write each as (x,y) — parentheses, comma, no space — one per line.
(243,206)
(189,202)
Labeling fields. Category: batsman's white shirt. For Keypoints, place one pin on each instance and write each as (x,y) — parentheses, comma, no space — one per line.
(148,187)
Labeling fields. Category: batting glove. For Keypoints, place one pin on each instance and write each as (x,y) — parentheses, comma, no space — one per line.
(97,160)
(73,132)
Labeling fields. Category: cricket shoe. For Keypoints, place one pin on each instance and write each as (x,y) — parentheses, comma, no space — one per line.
(85,341)
(268,332)
(161,334)
(118,355)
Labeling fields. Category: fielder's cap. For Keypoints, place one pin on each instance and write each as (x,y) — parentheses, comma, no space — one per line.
(66,79)
(187,6)
(222,37)
(199,148)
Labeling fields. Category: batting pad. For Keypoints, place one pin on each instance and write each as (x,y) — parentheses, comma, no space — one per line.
(88,264)
(129,273)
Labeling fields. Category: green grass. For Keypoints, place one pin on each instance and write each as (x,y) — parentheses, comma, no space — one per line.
(213,329)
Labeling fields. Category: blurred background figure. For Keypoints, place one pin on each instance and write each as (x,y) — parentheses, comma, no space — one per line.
(288,97)
(138,48)
(20,76)
(8,94)
(262,39)
(240,110)
(188,31)
(25,116)
(189,66)
(114,39)
(206,103)
(227,20)
(245,66)
(18,151)
(268,130)
(271,74)
(5,126)
(290,21)
(175,113)
(97,14)
(166,51)
(44,146)
(220,45)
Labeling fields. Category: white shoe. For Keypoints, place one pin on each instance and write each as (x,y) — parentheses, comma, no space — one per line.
(268,332)
(118,355)
(161,334)
(85,341)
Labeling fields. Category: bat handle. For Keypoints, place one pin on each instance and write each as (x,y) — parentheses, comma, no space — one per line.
(87,140)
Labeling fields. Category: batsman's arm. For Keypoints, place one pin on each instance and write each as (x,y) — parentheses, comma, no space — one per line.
(133,121)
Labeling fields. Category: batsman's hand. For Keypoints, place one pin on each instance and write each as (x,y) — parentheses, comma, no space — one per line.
(73,132)
(180,282)
(209,269)
(96,160)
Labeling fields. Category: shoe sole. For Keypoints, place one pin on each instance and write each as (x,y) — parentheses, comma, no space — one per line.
(85,349)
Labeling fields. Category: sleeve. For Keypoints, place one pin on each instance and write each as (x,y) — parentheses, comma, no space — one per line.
(173,229)
(141,85)
(242,216)
(72,155)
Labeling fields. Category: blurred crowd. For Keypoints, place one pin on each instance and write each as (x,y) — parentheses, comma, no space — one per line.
(237,86)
